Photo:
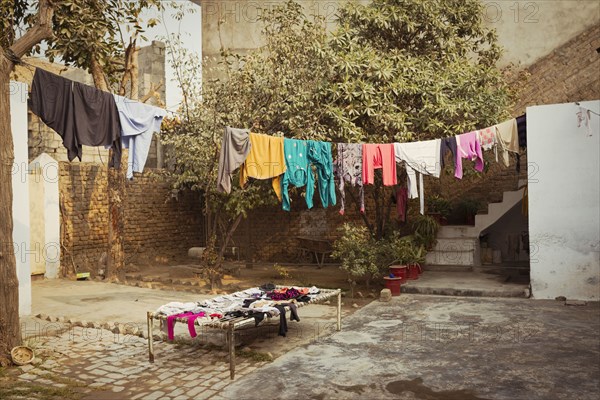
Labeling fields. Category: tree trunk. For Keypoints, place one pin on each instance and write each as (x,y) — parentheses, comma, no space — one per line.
(229,235)
(10,333)
(115,263)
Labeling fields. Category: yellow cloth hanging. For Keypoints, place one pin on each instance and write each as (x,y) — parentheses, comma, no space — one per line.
(266,160)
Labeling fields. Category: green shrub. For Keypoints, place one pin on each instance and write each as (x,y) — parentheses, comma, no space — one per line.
(357,251)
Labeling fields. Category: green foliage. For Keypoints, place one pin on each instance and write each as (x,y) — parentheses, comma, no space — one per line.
(12,16)
(425,231)
(357,251)
(413,70)
(391,71)
(437,204)
(270,90)
(86,29)
(401,250)
(468,207)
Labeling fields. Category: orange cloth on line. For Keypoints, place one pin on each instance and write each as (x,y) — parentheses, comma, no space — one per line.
(377,156)
(266,160)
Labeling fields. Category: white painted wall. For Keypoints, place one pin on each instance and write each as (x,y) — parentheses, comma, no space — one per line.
(18,113)
(47,251)
(564,202)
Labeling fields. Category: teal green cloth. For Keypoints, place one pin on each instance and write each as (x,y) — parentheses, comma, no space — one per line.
(300,158)
(297,171)
(319,154)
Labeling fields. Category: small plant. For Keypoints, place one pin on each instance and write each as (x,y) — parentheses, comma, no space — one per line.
(405,250)
(425,231)
(438,205)
(282,273)
(357,252)
(396,250)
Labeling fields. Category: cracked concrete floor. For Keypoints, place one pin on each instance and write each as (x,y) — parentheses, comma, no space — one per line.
(441,347)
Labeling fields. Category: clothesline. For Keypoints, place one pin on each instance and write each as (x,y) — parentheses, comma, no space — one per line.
(290,161)
(164,108)
(84,115)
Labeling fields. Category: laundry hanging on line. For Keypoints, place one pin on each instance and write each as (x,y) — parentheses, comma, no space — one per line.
(85,116)
(80,114)
(139,121)
(356,163)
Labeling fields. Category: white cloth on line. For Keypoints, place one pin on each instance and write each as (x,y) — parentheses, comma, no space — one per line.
(421,158)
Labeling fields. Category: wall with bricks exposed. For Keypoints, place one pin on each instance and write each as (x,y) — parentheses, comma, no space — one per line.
(156,224)
(270,234)
(569,73)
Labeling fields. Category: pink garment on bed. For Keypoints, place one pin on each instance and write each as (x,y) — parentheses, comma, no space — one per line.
(171,319)
(468,146)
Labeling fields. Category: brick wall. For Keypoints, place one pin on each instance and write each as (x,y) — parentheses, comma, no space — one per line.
(569,73)
(156,225)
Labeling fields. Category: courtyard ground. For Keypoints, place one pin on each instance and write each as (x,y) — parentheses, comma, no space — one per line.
(414,347)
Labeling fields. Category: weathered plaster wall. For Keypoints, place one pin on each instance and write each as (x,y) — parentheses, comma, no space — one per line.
(528,30)
(564,199)
(20,186)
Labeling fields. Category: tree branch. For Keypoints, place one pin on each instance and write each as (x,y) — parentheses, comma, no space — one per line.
(153,92)
(40,31)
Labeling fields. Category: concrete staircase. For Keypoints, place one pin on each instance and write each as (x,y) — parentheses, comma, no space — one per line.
(457,247)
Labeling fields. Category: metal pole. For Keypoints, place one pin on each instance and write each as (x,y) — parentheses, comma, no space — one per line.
(150,337)
(231,338)
(339,310)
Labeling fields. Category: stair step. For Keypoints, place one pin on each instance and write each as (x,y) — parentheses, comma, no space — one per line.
(456,244)
(466,257)
(447,268)
(456,231)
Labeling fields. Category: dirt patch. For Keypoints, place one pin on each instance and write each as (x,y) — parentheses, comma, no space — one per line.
(186,277)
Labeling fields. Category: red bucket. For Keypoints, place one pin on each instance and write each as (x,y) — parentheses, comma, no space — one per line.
(393,284)
(413,271)
(399,271)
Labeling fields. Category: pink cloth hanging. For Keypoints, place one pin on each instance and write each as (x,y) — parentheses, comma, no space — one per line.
(468,146)
(377,156)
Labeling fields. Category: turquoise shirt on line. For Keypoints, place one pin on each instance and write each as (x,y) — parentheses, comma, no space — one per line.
(300,158)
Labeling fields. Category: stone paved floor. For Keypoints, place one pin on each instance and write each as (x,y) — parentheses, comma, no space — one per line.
(111,366)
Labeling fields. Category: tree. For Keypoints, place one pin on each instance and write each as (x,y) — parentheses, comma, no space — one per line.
(391,71)
(84,34)
(13,13)
(412,70)
(271,90)
(94,41)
